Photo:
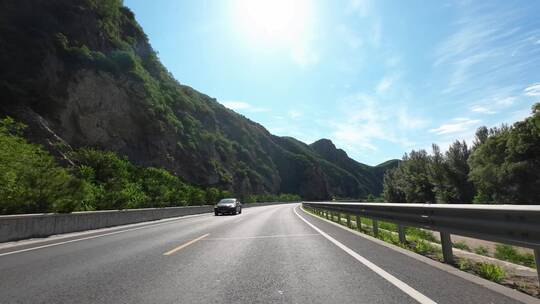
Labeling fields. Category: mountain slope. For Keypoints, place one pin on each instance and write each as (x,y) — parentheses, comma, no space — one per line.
(367,178)
(82,73)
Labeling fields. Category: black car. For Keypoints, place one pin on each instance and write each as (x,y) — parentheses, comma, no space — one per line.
(228,206)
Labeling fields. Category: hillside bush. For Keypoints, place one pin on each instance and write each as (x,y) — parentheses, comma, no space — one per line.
(30,179)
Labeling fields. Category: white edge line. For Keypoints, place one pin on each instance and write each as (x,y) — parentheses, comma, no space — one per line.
(500,289)
(413,293)
(101,235)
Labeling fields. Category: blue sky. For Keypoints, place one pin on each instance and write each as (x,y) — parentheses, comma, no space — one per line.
(378,78)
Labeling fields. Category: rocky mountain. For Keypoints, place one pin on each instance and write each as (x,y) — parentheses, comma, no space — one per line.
(82,73)
(368,179)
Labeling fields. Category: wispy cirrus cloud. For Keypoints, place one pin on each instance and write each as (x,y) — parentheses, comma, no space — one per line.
(294,114)
(368,120)
(494,104)
(385,83)
(482,109)
(457,125)
(532,90)
(487,48)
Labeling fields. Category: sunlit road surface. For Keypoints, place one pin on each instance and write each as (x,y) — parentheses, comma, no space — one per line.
(272,254)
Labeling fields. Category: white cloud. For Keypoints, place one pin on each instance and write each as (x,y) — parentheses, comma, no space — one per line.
(294,114)
(500,100)
(506,102)
(407,121)
(384,84)
(457,125)
(483,110)
(532,90)
(236,105)
(367,120)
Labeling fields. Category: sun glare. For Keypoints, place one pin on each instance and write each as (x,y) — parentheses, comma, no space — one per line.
(274,21)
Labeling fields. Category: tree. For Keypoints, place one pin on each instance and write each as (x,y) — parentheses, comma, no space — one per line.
(392,192)
(416,184)
(481,136)
(461,188)
(439,176)
(506,167)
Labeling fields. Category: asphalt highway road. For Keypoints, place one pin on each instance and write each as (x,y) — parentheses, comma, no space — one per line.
(265,255)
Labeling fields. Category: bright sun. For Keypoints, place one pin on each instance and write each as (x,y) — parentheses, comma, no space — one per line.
(274,21)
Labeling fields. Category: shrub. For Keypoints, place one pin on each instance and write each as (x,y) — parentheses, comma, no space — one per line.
(422,234)
(489,271)
(511,254)
(481,250)
(30,179)
(123,60)
(461,245)
(423,247)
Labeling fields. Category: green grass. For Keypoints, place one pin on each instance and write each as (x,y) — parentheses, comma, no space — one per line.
(481,250)
(464,265)
(388,226)
(421,234)
(461,245)
(489,271)
(389,237)
(511,254)
(424,248)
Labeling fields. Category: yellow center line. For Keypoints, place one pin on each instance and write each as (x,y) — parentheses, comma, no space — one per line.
(173,251)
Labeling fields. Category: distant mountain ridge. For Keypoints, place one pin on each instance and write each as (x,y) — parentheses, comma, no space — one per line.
(82,73)
(368,177)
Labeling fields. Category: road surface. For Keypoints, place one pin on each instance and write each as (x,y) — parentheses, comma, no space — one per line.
(265,255)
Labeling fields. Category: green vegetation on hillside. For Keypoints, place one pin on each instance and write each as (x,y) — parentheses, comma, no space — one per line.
(30,179)
(32,182)
(84,71)
(503,166)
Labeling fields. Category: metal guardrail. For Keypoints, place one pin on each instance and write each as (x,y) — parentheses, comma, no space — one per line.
(510,224)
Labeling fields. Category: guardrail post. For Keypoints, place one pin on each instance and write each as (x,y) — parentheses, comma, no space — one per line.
(401,233)
(375,228)
(349,220)
(537,260)
(446,244)
(339,218)
(358,223)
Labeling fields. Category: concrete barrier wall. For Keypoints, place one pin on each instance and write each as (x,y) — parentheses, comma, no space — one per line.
(18,227)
